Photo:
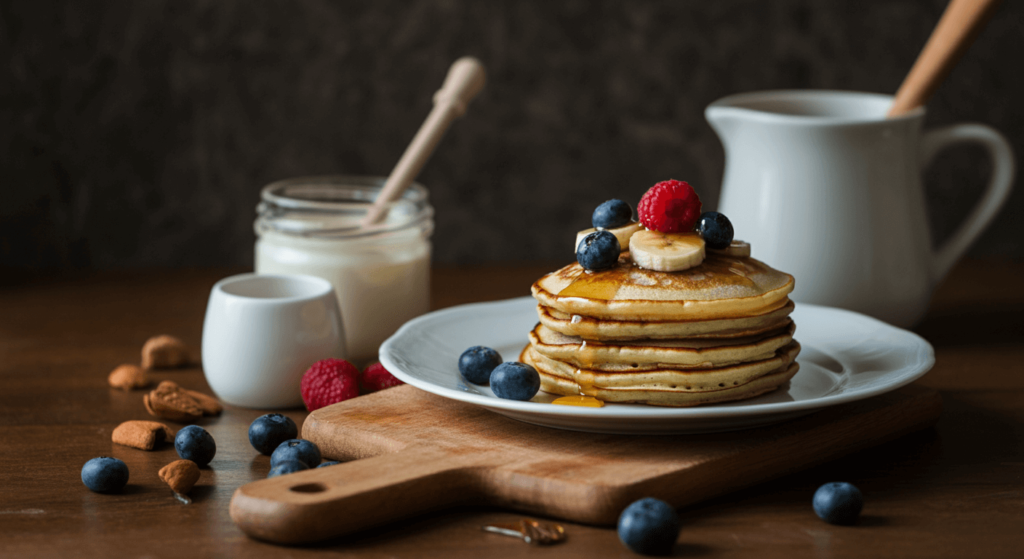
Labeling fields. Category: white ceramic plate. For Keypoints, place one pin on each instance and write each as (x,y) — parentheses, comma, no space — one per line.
(846,356)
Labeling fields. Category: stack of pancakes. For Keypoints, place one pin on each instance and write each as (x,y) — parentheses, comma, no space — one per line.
(718,331)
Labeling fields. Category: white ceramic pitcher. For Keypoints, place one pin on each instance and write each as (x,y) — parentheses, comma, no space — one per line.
(826,188)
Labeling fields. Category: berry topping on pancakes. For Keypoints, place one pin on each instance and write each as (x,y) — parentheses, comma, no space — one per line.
(670,207)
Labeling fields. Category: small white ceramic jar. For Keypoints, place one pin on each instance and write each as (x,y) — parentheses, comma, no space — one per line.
(381,274)
(261,333)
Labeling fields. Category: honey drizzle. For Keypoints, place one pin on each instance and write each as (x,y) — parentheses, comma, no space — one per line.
(605,285)
(585,380)
(587,354)
(591,285)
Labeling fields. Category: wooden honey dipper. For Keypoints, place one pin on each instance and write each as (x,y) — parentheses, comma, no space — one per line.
(956,30)
(465,79)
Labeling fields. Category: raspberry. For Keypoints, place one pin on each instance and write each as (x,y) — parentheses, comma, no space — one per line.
(376,377)
(669,207)
(328,382)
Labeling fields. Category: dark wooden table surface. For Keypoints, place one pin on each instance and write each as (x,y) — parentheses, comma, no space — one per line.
(953,491)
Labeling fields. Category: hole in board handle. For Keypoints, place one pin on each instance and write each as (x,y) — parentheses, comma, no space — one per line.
(308,488)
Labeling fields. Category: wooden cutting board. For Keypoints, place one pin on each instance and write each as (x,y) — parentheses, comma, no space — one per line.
(413,452)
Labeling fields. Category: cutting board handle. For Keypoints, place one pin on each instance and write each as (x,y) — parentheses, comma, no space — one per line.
(328,502)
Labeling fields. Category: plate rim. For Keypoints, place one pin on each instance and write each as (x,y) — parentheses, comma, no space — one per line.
(635,411)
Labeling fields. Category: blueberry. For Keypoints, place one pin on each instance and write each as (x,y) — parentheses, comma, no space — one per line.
(287,467)
(477,362)
(329,463)
(195,444)
(838,502)
(270,430)
(105,474)
(515,381)
(612,214)
(598,251)
(296,449)
(649,527)
(716,229)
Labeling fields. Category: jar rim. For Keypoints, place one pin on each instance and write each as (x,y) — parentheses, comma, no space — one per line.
(271,193)
(286,202)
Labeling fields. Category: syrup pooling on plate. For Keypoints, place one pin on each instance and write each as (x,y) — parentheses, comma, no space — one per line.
(579,401)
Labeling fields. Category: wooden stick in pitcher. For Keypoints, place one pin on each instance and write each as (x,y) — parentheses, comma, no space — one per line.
(956,30)
(465,79)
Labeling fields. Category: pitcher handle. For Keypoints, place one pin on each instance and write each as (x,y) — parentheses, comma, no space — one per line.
(996,192)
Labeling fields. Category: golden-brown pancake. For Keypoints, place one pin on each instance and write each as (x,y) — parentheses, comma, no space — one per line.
(721,287)
(591,328)
(674,398)
(686,380)
(646,355)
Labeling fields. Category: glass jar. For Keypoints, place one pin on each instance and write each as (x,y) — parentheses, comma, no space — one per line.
(381,274)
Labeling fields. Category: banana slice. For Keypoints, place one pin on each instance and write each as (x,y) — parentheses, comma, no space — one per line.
(739,249)
(666,252)
(621,233)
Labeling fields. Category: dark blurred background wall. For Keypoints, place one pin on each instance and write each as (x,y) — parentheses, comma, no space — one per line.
(140,133)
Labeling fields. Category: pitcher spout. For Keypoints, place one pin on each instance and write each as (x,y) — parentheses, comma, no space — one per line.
(725,120)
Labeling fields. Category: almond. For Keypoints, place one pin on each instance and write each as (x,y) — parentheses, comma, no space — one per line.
(143,435)
(170,401)
(128,377)
(181,475)
(161,352)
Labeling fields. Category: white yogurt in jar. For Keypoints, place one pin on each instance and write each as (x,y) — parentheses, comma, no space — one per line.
(381,275)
